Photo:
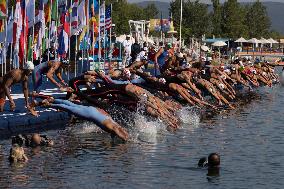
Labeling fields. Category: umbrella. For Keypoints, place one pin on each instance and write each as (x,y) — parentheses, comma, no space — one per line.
(254,40)
(241,40)
(204,48)
(219,44)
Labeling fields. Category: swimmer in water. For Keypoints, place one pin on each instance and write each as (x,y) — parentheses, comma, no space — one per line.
(17,154)
(33,140)
(212,163)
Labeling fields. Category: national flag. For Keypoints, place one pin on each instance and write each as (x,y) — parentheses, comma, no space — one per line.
(74,15)
(24,32)
(108,19)
(41,33)
(47,11)
(102,17)
(17,26)
(63,39)
(82,21)
(94,7)
(30,6)
(2,25)
(9,37)
(3,9)
(54,10)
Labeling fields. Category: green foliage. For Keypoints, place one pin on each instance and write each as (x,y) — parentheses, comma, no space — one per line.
(258,22)
(196,19)
(230,19)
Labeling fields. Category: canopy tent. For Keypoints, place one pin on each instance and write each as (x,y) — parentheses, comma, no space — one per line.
(204,48)
(272,41)
(264,41)
(254,41)
(241,40)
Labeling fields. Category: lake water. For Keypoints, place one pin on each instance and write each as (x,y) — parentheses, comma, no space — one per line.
(249,140)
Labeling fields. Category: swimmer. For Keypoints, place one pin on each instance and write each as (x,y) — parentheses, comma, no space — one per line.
(213,161)
(17,154)
(33,140)
(49,68)
(10,79)
(90,113)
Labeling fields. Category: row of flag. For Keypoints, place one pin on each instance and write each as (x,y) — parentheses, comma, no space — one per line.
(32,29)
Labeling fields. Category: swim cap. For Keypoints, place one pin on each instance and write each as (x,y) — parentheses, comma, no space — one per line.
(223,77)
(203,71)
(102,72)
(29,66)
(169,45)
(162,80)
(126,73)
(209,59)
(221,85)
(65,62)
(254,71)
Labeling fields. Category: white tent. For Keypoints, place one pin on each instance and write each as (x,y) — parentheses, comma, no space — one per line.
(241,40)
(272,41)
(254,41)
(204,48)
(264,41)
(219,44)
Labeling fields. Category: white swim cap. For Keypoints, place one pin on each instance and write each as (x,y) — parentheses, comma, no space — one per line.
(254,71)
(223,77)
(209,59)
(29,66)
(221,85)
(126,73)
(162,80)
(102,72)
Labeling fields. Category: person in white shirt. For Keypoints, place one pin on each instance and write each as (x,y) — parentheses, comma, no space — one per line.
(127,50)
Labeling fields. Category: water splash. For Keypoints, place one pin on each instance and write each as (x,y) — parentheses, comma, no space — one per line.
(85,127)
(190,117)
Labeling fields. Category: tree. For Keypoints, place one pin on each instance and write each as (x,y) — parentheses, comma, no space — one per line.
(217,18)
(195,18)
(150,11)
(258,22)
(233,20)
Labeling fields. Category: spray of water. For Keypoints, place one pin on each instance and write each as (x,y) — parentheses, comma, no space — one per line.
(190,117)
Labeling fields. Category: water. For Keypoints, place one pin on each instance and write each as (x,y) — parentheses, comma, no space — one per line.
(249,140)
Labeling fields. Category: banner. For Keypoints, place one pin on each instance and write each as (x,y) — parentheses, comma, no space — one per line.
(160,24)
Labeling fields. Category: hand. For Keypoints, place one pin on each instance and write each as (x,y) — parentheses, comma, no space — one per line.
(33,112)
(12,106)
(63,82)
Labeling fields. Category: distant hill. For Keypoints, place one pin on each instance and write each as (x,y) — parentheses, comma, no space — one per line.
(275,11)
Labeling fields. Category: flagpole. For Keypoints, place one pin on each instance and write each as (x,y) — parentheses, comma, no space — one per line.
(33,35)
(25,33)
(49,29)
(5,41)
(11,45)
(93,32)
(99,53)
(88,35)
(105,36)
(69,53)
(180,24)
(56,26)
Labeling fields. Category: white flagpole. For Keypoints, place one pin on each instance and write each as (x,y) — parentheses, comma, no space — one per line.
(49,31)
(180,24)
(93,33)
(11,45)
(88,35)
(104,36)
(69,53)
(5,41)
(33,36)
(99,53)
